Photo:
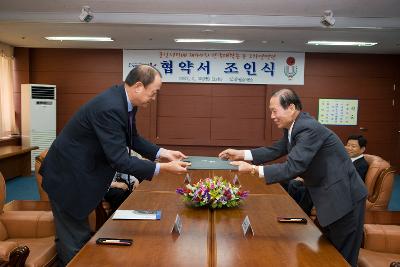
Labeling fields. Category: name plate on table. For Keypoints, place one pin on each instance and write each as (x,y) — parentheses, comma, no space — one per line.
(177,228)
(246,227)
(209,163)
(187,180)
(235,180)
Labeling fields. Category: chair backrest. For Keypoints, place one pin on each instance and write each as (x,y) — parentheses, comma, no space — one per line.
(38,162)
(379,182)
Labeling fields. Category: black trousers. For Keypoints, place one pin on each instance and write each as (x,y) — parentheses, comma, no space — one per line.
(346,233)
(299,192)
(71,234)
(115,196)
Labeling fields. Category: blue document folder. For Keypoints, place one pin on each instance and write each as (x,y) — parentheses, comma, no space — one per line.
(137,215)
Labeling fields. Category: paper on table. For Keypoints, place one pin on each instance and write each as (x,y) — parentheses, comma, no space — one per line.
(137,215)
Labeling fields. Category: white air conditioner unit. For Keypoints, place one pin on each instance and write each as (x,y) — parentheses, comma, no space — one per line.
(38,117)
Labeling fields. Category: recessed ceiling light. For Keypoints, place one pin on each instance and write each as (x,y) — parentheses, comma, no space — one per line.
(264,42)
(79,38)
(218,41)
(341,43)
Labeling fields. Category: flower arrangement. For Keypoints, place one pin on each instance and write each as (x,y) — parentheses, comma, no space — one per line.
(213,192)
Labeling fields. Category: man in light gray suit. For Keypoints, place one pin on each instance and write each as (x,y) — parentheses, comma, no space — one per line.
(317,155)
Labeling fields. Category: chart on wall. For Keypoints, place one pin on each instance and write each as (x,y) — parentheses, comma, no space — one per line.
(338,111)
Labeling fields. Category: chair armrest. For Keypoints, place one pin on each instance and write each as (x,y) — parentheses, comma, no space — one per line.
(28,224)
(382,217)
(18,256)
(24,205)
(5,249)
(382,238)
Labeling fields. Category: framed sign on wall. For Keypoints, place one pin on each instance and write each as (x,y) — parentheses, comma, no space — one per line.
(338,111)
(237,67)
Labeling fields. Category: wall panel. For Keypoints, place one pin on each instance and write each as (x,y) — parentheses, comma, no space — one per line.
(238,107)
(250,131)
(79,75)
(196,130)
(185,106)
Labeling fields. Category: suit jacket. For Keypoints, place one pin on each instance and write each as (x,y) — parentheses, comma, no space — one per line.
(82,161)
(362,167)
(317,155)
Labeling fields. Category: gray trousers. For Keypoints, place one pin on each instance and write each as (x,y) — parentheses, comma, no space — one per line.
(346,234)
(71,234)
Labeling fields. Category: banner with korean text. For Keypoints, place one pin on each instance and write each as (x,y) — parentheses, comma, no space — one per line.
(220,66)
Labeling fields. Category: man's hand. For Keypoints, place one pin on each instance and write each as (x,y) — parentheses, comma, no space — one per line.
(135,182)
(232,154)
(171,155)
(175,167)
(299,179)
(243,166)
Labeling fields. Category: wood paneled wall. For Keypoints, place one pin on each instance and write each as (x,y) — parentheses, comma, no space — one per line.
(79,75)
(369,78)
(205,118)
(211,115)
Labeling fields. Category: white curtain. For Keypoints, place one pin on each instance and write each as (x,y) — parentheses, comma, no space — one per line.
(7,111)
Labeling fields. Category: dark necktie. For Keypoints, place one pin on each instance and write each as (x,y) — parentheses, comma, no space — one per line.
(131,114)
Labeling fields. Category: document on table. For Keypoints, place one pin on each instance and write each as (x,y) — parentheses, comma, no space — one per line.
(137,215)
(209,163)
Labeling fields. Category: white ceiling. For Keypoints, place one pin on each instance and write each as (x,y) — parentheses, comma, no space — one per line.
(274,25)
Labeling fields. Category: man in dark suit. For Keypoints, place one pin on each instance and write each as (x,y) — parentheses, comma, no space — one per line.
(82,161)
(317,155)
(355,146)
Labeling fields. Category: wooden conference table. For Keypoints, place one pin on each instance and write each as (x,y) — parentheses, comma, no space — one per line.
(211,238)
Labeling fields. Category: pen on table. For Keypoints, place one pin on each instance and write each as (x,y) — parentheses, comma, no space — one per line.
(291,219)
(115,241)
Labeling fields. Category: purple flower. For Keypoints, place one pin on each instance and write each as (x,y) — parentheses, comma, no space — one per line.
(244,194)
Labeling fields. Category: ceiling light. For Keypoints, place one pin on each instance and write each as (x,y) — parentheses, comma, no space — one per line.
(79,38)
(217,41)
(341,43)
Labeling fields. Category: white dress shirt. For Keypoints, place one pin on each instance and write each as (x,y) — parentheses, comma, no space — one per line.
(248,156)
